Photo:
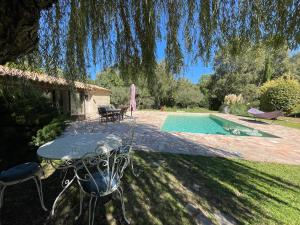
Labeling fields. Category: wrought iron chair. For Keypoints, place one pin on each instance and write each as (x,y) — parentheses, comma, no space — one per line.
(19,174)
(123,112)
(99,176)
(103,114)
(127,143)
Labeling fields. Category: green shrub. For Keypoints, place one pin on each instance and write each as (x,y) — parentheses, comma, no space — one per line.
(145,102)
(188,97)
(49,132)
(23,111)
(232,99)
(296,110)
(188,109)
(239,109)
(120,96)
(234,104)
(280,94)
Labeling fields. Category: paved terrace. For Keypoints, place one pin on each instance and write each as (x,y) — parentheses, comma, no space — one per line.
(285,149)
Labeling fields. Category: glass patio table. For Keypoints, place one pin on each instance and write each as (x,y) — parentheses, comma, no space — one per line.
(65,152)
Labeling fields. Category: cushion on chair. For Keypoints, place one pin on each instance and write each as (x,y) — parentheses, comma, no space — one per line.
(20,172)
(101,181)
(124,149)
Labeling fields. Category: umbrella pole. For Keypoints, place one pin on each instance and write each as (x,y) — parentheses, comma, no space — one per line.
(131,110)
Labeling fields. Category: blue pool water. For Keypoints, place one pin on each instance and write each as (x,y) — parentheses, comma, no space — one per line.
(209,124)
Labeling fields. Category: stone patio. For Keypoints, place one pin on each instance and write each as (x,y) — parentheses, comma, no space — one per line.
(149,137)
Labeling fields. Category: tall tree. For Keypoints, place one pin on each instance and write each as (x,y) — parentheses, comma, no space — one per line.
(75,33)
(162,89)
(243,73)
(295,65)
(187,94)
(109,78)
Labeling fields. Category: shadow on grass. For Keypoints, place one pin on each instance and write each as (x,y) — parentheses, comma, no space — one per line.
(168,183)
(232,187)
(22,206)
(161,193)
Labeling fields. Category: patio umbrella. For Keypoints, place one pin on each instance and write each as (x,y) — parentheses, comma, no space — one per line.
(132,98)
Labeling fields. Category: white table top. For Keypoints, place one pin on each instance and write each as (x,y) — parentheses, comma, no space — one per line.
(76,146)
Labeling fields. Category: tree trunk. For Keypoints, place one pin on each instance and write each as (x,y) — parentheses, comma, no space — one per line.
(19,24)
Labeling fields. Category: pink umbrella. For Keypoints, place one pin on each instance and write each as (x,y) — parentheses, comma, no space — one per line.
(132,98)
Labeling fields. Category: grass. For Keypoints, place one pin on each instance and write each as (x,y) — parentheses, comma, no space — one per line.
(288,122)
(245,192)
(284,121)
(242,191)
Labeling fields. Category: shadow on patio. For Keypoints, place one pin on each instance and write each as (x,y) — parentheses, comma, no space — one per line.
(219,189)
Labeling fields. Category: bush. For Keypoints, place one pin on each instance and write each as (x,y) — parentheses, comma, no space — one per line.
(145,102)
(280,94)
(23,111)
(188,109)
(120,96)
(236,109)
(49,132)
(188,97)
(239,109)
(232,99)
(234,104)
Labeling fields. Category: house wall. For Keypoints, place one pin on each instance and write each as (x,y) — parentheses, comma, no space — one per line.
(94,100)
(77,103)
(60,98)
(66,103)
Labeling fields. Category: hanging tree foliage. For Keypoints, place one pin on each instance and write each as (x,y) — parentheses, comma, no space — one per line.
(75,33)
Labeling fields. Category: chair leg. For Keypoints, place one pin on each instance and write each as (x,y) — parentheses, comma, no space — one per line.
(68,184)
(39,186)
(94,207)
(120,192)
(2,188)
(80,206)
(132,169)
(92,210)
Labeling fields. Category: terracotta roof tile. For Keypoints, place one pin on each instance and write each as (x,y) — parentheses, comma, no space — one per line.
(44,78)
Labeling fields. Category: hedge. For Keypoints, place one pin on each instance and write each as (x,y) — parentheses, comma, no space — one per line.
(49,132)
(280,94)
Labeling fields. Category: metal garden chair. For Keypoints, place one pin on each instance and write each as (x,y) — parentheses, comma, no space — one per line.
(100,176)
(127,143)
(19,174)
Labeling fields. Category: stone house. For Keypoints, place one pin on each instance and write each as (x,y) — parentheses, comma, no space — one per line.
(80,100)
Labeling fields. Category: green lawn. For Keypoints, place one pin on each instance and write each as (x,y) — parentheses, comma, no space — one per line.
(284,121)
(244,192)
(288,122)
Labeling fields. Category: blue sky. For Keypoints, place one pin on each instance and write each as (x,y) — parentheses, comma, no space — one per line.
(192,71)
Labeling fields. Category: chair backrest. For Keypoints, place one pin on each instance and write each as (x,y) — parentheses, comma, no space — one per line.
(111,107)
(101,173)
(129,136)
(101,110)
(124,110)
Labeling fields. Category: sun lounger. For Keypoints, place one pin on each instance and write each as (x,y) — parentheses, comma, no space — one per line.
(265,115)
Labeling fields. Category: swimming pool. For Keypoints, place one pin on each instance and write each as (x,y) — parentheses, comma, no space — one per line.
(209,124)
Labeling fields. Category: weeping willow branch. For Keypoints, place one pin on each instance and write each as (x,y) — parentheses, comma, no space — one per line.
(124,33)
